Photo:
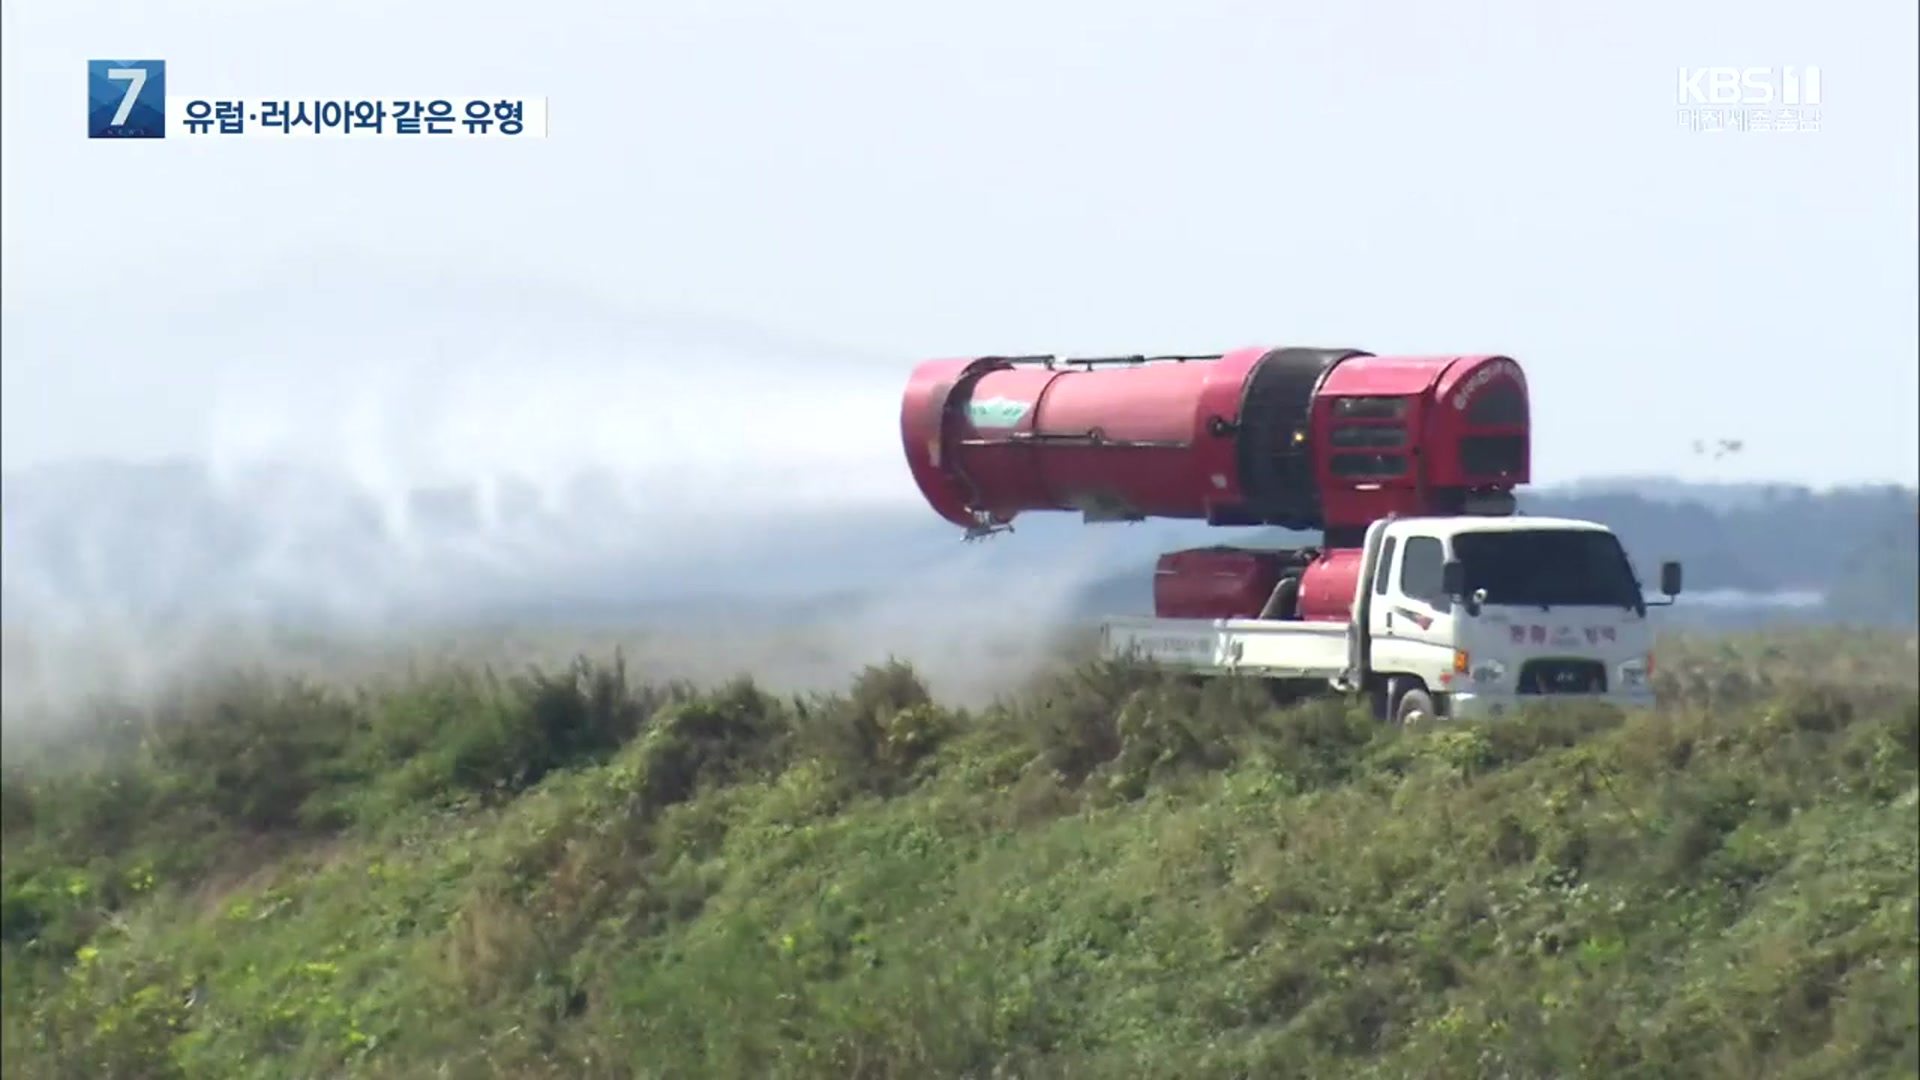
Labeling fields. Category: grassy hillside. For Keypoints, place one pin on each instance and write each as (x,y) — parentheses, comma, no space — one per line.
(579,874)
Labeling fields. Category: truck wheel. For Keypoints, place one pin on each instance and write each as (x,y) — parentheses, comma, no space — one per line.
(1415,706)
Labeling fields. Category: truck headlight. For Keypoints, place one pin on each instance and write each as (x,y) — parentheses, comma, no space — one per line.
(1635,672)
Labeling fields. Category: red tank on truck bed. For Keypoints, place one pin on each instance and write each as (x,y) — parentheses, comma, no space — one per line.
(1222,582)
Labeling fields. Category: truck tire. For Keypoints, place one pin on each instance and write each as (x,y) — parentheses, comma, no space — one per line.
(1412,706)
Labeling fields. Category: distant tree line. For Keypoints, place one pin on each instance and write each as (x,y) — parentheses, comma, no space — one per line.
(1859,547)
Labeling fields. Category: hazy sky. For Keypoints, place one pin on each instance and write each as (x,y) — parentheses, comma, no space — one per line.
(888,181)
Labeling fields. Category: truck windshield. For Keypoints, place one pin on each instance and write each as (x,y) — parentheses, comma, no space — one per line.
(1548,568)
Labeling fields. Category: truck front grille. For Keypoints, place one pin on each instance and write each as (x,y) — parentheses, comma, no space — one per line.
(1563,676)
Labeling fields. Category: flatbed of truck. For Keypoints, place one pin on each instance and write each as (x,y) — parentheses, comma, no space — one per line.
(1266,648)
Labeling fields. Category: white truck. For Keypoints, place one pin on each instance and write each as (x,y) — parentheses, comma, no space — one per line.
(1452,617)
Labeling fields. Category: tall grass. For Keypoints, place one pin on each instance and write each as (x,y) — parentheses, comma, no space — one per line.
(578,871)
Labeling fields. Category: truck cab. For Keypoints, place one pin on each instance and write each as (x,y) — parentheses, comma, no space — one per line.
(1486,613)
(1457,616)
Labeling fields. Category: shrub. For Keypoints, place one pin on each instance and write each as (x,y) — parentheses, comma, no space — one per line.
(1168,728)
(256,750)
(874,736)
(459,735)
(713,739)
(1074,717)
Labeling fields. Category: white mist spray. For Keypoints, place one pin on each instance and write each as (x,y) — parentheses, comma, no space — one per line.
(372,459)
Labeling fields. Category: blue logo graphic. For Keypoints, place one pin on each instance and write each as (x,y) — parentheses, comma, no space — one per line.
(126,99)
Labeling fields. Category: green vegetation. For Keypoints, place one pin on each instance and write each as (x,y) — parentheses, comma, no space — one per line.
(577,874)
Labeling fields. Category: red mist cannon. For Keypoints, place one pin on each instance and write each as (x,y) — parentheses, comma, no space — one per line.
(1298,438)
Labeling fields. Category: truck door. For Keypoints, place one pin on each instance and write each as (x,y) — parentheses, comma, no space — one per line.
(1417,609)
(1381,604)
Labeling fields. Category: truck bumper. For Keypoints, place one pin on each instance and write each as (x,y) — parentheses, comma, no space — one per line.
(1472,705)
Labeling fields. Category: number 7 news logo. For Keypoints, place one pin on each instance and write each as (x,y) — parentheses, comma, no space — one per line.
(126,99)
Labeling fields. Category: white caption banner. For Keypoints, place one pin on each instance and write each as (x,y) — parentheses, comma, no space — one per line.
(357,118)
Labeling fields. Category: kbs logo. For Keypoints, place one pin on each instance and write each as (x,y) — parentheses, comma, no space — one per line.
(1749,98)
(1786,86)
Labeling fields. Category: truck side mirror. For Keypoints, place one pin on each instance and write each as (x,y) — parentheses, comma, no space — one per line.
(1670,578)
(1453,579)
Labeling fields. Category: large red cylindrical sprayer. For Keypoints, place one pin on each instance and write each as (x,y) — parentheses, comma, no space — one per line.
(1299,438)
